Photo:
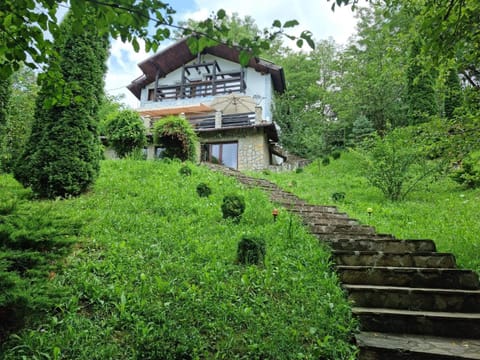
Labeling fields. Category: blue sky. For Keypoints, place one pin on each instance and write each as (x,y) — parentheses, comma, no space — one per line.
(314,15)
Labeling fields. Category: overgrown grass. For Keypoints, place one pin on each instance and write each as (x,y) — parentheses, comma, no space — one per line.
(154,276)
(443,210)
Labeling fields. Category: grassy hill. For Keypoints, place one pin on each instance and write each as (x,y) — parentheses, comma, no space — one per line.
(443,210)
(143,268)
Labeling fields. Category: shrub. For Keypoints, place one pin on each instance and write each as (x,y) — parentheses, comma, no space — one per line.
(299,170)
(203,190)
(126,132)
(396,166)
(177,136)
(325,161)
(468,174)
(338,196)
(336,154)
(185,170)
(233,207)
(251,250)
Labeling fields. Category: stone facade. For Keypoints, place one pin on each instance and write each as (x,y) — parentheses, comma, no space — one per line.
(253,148)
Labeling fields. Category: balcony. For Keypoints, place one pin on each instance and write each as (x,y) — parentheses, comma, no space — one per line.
(219,121)
(200,80)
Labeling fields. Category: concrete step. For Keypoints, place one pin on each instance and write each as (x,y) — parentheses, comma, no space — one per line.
(435,323)
(378,346)
(388,245)
(353,236)
(400,259)
(343,229)
(329,221)
(305,209)
(407,298)
(409,277)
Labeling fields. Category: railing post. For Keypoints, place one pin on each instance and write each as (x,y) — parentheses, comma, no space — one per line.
(258,114)
(218,119)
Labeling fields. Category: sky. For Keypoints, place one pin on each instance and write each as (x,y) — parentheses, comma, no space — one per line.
(313,15)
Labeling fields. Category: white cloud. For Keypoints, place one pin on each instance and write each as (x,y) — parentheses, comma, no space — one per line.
(313,15)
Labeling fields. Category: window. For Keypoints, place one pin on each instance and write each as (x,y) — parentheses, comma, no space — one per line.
(151,95)
(222,153)
(158,152)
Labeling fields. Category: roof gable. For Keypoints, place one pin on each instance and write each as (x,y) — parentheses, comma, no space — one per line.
(179,54)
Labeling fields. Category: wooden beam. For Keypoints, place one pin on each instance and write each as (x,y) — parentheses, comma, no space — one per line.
(157,75)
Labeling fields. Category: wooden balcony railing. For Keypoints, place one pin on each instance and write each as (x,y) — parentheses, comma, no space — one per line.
(221,83)
(205,122)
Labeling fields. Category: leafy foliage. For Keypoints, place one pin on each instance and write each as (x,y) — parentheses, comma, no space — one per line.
(33,237)
(203,190)
(453,96)
(5,90)
(233,207)
(177,136)
(62,155)
(396,166)
(126,132)
(20,114)
(469,172)
(420,89)
(185,170)
(251,251)
(362,129)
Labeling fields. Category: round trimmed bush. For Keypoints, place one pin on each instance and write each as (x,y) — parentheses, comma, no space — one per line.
(233,207)
(185,170)
(251,251)
(203,190)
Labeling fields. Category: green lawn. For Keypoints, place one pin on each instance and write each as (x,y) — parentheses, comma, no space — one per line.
(442,210)
(141,267)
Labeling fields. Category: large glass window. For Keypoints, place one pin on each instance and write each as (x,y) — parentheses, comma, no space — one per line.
(222,153)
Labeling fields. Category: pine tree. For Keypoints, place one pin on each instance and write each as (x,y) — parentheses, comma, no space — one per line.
(63,153)
(420,89)
(453,96)
(362,128)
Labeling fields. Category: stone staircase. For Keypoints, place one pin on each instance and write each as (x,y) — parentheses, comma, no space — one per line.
(411,301)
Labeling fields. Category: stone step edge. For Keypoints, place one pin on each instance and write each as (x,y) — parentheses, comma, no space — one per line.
(410,289)
(392,253)
(419,344)
(433,314)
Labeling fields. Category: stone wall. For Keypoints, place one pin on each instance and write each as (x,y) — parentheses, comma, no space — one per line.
(253,152)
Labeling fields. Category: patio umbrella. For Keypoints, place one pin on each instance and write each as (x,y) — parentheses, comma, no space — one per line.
(234,104)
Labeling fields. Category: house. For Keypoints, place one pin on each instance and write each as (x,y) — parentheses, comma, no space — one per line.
(229,106)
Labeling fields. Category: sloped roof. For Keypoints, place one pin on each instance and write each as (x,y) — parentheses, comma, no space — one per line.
(179,54)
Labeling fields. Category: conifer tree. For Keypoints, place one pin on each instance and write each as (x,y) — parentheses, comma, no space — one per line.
(420,89)
(62,155)
(453,96)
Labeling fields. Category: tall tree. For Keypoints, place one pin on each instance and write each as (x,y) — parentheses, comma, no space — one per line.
(371,79)
(420,89)
(304,112)
(19,120)
(453,93)
(63,152)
